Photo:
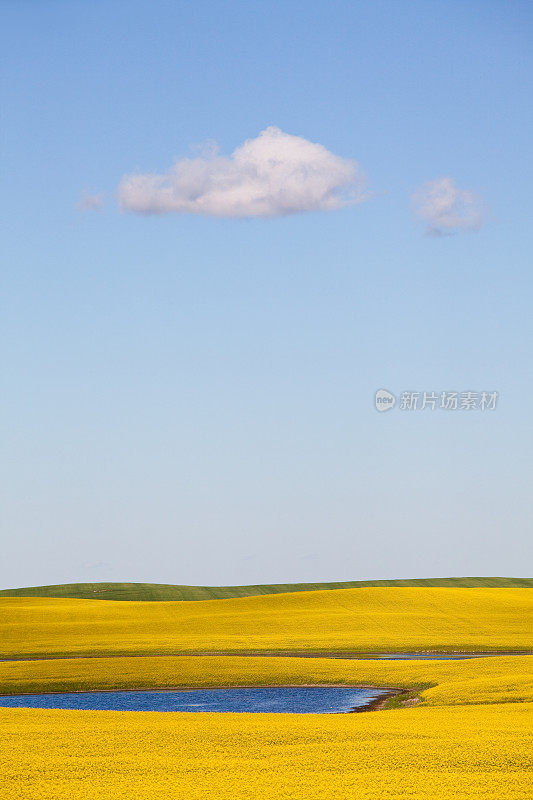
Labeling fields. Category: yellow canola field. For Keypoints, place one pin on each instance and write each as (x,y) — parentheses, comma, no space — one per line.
(465,741)
(499,679)
(376,619)
(455,753)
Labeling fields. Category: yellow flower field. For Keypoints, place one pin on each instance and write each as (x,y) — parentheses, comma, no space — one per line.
(466,740)
(482,680)
(458,753)
(378,619)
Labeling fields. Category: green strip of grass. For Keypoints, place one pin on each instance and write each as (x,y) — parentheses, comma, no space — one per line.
(164,591)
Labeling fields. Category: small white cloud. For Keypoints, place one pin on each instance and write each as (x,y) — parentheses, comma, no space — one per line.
(90,202)
(447,209)
(272,175)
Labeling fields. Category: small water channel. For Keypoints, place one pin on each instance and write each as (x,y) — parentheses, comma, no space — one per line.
(427,656)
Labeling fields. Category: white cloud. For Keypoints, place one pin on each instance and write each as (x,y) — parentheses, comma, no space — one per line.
(447,209)
(273,175)
(90,202)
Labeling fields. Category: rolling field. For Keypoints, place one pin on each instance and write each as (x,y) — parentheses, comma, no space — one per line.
(448,753)
(468,738)
(357,620)
(166,591)
(499,679)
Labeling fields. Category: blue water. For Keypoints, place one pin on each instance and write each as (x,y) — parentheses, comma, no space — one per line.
(413,656)
(282,700)
(420,657)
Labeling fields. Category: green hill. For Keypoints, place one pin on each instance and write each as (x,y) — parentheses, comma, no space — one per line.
(167,591)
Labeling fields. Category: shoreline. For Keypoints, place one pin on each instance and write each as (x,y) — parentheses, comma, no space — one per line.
(379,702)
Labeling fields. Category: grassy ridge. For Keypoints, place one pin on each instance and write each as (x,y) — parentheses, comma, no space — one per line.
(166,591)
(375,619)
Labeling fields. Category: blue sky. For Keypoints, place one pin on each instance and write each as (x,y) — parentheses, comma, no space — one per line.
(190,399)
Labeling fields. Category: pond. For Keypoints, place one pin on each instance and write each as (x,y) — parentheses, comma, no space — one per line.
(277,700)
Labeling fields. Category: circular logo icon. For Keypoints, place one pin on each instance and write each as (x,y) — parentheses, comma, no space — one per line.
(384,400)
